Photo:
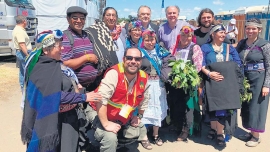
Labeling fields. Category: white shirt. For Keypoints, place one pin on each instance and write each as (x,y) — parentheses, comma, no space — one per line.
(232,34)
(119,49)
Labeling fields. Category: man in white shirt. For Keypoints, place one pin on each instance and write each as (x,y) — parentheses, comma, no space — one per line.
(22,44)
(232,31)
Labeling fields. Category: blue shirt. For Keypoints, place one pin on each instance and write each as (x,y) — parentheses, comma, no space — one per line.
(209,55)
(168,36)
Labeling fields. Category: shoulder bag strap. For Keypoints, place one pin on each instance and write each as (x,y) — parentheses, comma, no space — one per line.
(247,51)
(227,52)
(70,38)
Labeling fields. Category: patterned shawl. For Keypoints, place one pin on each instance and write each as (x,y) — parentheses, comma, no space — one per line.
(100,36)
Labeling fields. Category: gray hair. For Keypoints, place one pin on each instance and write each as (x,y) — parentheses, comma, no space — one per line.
(178,9)
(142,7)
(20,19)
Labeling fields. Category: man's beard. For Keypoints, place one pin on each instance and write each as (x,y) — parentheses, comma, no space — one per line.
(132,72)
(203,25)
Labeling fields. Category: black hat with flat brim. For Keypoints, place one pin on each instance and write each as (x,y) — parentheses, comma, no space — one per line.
(76,9)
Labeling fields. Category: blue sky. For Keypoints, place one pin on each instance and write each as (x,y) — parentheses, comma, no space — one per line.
(188,8)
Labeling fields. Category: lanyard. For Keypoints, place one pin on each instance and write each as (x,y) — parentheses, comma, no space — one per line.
(135,93)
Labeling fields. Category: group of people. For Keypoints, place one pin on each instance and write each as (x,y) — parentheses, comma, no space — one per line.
(116,81)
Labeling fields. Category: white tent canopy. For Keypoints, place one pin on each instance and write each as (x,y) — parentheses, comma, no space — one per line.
(51,14)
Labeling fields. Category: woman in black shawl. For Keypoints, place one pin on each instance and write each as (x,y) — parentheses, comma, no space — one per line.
(255,55)
(51,99)
(221,84)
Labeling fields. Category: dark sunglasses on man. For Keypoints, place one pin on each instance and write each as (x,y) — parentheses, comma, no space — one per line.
(76,18)
(130,58)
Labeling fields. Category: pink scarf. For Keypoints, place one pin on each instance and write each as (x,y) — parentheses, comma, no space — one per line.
(116,32)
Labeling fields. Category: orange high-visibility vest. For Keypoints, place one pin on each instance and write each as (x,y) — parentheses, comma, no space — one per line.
(121,95)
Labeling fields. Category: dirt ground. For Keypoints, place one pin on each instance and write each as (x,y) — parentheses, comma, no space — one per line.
(11,114)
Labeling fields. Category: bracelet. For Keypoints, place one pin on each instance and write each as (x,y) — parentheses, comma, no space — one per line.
(88,57)
(208,74)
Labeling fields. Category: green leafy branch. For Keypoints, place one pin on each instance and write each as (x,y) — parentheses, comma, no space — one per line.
(246,96)
(184,75)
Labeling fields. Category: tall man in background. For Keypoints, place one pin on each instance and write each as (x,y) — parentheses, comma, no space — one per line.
(205,21)
(168,32)
(144,15)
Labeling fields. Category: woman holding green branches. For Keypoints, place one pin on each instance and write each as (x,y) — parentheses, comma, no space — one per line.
(184,107)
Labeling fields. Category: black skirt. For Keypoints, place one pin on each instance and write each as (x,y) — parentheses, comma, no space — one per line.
(254,112)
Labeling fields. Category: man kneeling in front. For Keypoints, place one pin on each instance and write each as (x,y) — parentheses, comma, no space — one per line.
(123,89)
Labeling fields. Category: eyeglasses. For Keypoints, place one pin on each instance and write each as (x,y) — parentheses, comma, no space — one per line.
(130,58)
(76,18)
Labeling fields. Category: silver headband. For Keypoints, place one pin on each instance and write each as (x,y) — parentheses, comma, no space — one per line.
(253,24)
(221,27)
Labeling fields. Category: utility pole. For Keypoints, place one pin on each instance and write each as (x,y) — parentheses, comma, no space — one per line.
(268,8)
(102,5)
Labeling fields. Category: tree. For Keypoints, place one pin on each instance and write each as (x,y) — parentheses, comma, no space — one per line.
(130,17)
(122,19)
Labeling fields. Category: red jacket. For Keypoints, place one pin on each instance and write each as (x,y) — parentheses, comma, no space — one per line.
(121,96)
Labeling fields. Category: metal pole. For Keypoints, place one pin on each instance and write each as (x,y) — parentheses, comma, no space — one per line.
(268,8)
(102,4)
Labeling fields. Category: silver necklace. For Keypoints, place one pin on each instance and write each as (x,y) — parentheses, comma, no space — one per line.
(219,55)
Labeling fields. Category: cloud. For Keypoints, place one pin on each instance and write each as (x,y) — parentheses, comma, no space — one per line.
(126,10)
(220,9)
(130,11)
(186,12)
(241,8)
(197,8)
(133,13)
(218,2)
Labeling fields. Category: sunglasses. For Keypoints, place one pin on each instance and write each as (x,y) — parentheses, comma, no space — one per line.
(76,18)
(130,58)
